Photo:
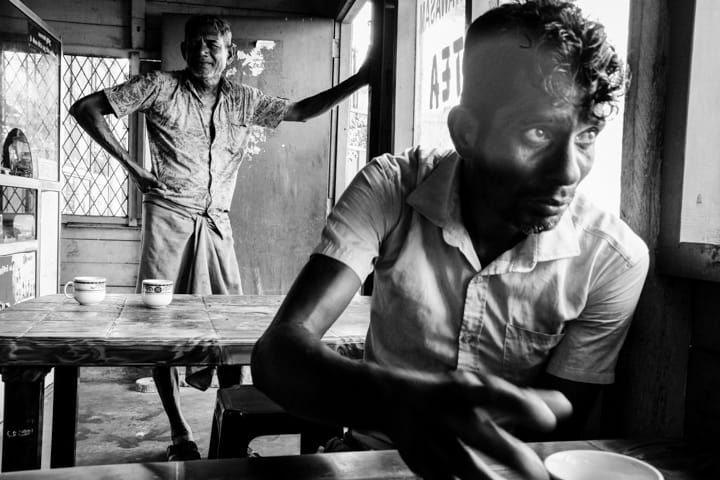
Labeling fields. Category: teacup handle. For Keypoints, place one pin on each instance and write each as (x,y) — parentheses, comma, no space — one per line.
(68,284)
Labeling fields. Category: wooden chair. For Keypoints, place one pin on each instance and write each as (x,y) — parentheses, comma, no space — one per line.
(243,413)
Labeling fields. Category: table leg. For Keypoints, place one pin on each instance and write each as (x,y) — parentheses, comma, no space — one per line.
(22,427)
(64,424)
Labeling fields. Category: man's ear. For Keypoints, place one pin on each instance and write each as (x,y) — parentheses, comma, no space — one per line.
(464,130)
(183,50)
(232,50)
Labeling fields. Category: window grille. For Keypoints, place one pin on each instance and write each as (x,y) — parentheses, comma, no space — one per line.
(94,183)
(26,79)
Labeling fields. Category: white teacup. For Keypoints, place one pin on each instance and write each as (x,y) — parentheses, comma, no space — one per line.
(157,292)
(86,290)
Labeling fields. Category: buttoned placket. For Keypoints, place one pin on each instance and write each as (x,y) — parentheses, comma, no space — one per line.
(456,235)
(476,294)
(211,164)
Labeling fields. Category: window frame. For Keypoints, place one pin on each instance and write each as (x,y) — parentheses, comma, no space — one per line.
(136,145)
(673,256)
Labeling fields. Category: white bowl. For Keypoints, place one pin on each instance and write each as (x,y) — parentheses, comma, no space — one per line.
(598,465)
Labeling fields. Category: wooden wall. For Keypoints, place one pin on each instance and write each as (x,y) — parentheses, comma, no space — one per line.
(112,252)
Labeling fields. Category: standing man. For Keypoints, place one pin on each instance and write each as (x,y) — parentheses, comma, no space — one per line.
(197,123)
(502,295)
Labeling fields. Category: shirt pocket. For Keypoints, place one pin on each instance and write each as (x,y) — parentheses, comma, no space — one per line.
(238,136)
(526,352)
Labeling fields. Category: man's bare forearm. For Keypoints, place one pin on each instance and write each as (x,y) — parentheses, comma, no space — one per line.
(322,102)
(90,113)
(291,364)
(312,381)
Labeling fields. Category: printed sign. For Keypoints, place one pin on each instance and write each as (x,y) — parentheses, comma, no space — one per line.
(438,79)
(40,42)
(17,278)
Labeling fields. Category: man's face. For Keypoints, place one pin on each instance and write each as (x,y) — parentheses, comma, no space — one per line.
(528,158)
(206,53)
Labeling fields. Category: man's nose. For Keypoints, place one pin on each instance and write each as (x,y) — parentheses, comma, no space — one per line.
(564,164)
(201,47)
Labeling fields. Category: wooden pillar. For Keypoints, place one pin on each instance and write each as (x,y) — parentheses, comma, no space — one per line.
(64,424)
(381,122)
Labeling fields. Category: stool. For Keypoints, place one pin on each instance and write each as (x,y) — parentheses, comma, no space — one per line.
(242,413)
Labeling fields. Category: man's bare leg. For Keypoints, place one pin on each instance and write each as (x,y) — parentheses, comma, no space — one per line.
(168,387)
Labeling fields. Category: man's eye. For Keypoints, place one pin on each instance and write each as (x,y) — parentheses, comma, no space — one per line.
(586,138)
(537,136)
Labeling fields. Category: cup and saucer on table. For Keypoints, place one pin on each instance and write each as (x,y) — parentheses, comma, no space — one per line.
(598,465)
(157,292)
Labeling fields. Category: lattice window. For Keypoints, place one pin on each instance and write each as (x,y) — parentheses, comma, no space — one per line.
(27,80)
(94,183)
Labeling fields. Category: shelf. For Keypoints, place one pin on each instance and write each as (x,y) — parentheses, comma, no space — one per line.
(17,247)
(23,182)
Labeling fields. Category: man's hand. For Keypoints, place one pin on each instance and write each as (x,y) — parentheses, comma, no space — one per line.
(147,182)
(440,424)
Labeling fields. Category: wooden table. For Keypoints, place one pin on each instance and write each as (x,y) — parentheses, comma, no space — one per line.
(676,460)
(54,331)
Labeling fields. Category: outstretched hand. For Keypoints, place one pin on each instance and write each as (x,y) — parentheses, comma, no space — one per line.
(440,425)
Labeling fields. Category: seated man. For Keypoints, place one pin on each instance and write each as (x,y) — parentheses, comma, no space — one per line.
(494,279)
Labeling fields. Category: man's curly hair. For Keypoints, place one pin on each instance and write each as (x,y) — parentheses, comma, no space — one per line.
(581,55)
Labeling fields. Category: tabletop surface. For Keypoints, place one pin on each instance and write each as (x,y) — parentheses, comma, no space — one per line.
(674,459)
(193,329)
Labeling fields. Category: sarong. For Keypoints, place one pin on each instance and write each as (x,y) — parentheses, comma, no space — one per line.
(196,250)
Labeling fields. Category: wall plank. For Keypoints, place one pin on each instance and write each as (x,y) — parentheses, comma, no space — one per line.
(107,251)
(117,274)
(100,23)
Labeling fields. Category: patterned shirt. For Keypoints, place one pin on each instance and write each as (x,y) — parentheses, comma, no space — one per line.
(199,173)
(559,301)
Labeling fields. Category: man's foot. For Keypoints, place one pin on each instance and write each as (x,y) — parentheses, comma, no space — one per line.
(185,450)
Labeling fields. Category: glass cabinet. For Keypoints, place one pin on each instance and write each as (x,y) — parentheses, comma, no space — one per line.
(30,62)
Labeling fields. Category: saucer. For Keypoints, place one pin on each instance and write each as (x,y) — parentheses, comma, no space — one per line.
(598,465)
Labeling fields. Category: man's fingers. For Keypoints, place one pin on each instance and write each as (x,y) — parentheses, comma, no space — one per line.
(556,401)
(514,404)
(489,438)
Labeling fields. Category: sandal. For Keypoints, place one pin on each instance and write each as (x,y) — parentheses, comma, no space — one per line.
(179,452)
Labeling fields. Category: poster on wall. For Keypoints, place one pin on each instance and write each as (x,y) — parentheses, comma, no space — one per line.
(17,278)
(438,81)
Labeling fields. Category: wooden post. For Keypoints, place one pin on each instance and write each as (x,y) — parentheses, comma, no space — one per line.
(381,121)
(64,420)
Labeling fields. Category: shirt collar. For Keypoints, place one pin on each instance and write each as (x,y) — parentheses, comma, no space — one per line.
(224,84)
(437,198)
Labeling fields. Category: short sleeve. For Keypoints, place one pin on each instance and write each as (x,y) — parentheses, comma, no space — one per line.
(137,94)
(367,211)
(589,349)
(264,110)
